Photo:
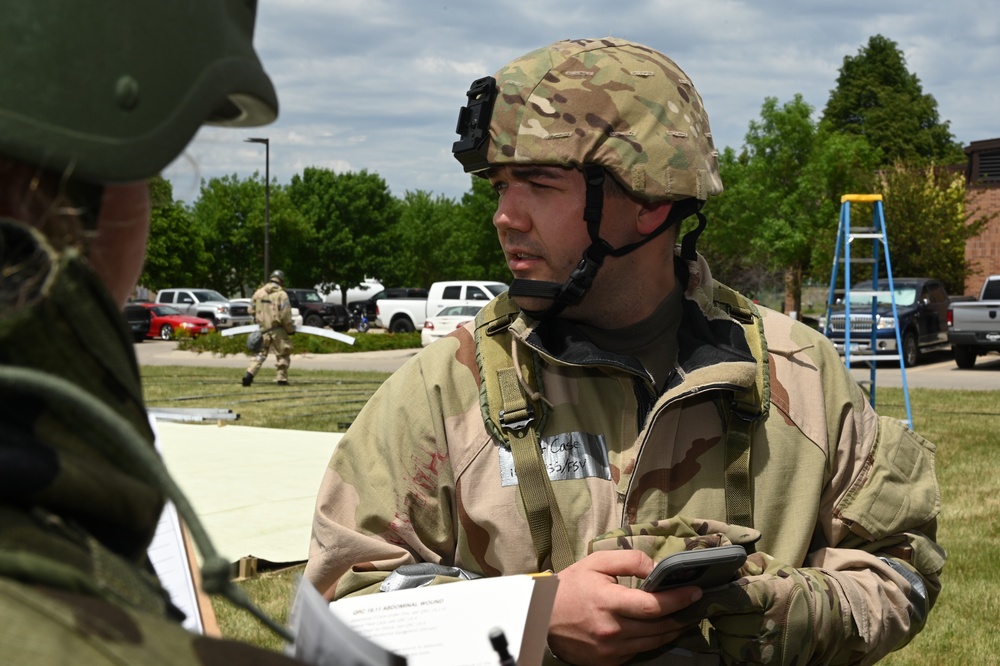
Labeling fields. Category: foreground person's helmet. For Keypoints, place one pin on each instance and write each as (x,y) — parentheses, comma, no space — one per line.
(278,276)
(601,105)
(113,91)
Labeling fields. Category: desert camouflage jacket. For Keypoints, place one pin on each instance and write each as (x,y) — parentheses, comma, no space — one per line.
(418,477)
(77,511)
(271,309)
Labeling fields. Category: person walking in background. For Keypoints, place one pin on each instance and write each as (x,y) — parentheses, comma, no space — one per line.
(273,312)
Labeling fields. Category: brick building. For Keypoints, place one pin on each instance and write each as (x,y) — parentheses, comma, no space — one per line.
(982,177)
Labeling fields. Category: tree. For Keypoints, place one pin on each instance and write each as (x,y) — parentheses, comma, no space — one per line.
(927,223)
(230,214)
(731,225)
(349,216)
(175,253)
(878,98)
(227,214)
(779,209)
(425,245)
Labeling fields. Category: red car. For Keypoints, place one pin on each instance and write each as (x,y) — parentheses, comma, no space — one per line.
(167,319)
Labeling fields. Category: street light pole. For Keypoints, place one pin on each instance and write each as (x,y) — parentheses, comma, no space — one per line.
(267,202)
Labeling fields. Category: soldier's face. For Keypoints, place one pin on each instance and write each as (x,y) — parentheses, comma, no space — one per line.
(119,246)
(539,221)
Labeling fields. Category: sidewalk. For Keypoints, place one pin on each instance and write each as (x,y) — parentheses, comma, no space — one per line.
(253,488)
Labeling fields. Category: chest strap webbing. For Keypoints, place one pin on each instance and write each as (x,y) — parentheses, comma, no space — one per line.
(511,405)
(746,409)
(514,416)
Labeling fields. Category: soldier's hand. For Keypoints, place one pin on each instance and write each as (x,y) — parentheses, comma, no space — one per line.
(776,614)
(595,620)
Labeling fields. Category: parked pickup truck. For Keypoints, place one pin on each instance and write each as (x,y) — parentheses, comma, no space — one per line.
(974,326)
(207,304)
(921,305)
(402,315)
(369,305)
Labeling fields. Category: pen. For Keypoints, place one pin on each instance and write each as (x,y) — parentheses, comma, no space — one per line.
(499,642)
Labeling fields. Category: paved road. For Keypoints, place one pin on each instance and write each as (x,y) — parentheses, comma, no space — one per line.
(163,352)
(937,371)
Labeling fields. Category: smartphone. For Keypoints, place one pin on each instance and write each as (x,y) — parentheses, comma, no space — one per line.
(706,567)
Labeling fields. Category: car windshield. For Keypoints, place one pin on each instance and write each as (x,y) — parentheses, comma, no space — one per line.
(497,289)
(208,295)
(165,311)
(460,311)
(310,297)
(863,297)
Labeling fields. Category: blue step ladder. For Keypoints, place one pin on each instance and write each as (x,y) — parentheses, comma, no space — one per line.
(866,320)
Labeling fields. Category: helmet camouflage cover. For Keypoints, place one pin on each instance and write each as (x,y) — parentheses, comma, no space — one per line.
(610,102)
(113,91)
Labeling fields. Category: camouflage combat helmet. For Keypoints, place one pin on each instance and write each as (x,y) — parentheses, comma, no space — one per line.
(610,102)
(603,106)
(113,91)
(278,276)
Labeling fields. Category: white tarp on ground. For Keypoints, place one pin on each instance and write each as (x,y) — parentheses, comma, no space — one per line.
(253,488)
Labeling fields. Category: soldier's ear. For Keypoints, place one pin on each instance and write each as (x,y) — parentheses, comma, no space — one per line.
(651,215)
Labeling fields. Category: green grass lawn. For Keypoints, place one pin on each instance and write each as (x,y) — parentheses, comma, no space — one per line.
(965,426)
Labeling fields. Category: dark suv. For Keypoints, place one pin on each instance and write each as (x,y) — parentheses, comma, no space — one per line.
(139,319)
(317,312)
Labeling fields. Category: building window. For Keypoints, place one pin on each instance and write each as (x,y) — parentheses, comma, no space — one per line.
(989,166)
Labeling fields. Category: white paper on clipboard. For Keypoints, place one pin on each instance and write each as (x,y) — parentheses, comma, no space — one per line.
(175,564)
(168,554)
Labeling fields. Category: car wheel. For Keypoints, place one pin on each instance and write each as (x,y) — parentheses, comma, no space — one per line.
(911,350)
(166,332)
(965,357)
(314,320)
(401,325)
(138,338)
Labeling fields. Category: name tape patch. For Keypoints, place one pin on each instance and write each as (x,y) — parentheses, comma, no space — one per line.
(569,455)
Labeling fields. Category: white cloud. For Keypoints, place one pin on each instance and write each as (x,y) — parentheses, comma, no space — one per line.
(377,84)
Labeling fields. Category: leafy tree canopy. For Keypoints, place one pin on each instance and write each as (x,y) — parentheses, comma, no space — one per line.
(175,252)
(350,215)
(781,199)
(877,97)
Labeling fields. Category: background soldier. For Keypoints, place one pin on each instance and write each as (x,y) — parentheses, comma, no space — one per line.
(273,313)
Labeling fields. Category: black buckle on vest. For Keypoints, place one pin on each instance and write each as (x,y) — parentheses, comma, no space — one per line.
(520,424)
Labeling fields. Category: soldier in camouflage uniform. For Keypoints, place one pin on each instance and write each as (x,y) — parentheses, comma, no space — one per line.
(104,95)
(662,411)
(273,313)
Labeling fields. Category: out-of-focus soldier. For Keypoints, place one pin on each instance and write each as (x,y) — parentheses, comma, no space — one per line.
(97,97)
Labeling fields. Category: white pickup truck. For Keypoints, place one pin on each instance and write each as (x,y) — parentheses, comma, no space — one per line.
(974,326)
(402,315)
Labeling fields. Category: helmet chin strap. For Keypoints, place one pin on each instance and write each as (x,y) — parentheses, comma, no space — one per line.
(576,286)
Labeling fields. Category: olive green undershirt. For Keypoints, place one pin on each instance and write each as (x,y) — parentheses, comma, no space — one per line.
(652,341)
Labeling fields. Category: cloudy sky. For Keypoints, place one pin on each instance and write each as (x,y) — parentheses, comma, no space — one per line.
(377,84)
